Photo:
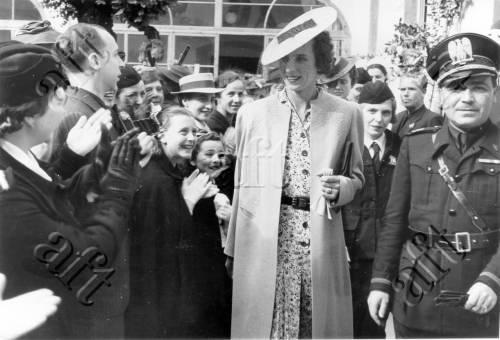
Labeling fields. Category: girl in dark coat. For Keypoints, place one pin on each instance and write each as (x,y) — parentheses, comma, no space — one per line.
(167,281)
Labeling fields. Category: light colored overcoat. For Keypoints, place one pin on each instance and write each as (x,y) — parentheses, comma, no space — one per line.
(262,131)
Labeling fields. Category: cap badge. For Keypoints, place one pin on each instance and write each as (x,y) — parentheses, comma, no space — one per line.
(460,51)
(292,32)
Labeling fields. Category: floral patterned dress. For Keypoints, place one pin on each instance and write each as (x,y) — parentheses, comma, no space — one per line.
(292,314)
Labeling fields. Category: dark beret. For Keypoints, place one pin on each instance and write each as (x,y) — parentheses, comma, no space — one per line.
(461,55)
(37,32)
(375,93)
(27,72)
(128,77)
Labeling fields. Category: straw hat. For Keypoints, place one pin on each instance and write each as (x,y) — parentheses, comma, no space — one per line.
(198,83)
(298,32)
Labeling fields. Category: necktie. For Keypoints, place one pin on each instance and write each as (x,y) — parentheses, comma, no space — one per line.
(462,142)
(376,156)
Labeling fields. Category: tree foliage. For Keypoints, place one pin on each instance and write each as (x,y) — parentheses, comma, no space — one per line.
(137,13)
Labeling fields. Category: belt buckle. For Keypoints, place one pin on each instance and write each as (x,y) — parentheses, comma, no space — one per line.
(459,238)
(299,203)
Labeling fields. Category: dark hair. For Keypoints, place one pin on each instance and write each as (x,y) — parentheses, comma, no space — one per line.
(211,136)
(362,76)
(323,52)
(420,79)
(11,117)
(74,46)
(353,74)
(189,96)
(378,66)
(165,116)
(150,76)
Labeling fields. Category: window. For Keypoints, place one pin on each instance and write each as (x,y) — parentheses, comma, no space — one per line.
(25,10)
(134,43)
(240,51)
(200,13)
(201,52)
(252,13)
(6,9)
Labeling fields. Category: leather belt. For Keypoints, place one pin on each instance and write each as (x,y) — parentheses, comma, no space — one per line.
(462,242)
(297,202)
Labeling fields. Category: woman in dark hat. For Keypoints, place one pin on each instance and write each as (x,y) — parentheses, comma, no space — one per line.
(41,237)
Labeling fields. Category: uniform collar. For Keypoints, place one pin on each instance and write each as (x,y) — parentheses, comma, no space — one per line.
(488,140)
(89,98)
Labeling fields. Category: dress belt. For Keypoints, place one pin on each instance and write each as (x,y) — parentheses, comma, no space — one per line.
(462,242)
(297,202)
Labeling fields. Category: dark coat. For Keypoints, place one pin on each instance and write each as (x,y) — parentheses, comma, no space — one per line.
(79,103)
(176,262)
(363,215)
(422,200)
(33,208)
(217,122)
(422,117)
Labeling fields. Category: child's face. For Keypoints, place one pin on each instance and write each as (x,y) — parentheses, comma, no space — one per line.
(179,138)
(211,156)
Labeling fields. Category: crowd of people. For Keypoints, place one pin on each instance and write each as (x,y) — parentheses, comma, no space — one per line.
(154,202)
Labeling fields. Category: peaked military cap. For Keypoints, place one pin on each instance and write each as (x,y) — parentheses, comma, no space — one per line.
(462,55)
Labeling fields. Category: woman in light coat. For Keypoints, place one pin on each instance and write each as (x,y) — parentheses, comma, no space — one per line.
(291,277)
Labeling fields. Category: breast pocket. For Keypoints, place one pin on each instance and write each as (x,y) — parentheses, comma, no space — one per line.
(425,180)
(484,187)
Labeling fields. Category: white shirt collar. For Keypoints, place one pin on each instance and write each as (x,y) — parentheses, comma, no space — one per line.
(26,159)
(380,141)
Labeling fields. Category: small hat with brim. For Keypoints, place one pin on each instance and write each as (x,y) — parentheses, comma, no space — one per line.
(298,32)
(175,72)
(198,83)
(37,32)
(462,55)
(341,67)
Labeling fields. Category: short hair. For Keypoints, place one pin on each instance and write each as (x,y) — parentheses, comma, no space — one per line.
(74,46)
(11,117)
(227,77)
(150,76)
(211,136)
(165,116)
(323,52)
(362,76)
(190,95)
(393,108)
(420,79)
(378,66)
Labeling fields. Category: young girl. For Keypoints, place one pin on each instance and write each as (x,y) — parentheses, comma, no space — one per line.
(211,217)
(166,282)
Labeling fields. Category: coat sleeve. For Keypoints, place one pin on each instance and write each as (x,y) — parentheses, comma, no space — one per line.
(350,185)
(27,224)
(394,225)
(240,139)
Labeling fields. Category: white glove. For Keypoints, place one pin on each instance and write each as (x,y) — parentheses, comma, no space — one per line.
(196,187)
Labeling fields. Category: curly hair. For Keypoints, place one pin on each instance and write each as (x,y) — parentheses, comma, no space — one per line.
(323,52)
(165,116)
(11,117)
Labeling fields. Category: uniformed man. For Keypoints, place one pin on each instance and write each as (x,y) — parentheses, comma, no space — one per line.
(441,224)
(412,91)
(362,216)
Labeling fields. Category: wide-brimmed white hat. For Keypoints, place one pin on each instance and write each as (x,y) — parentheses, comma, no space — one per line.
(198,83)
(298,32)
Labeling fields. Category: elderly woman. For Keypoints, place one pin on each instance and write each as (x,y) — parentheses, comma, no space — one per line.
(286,235)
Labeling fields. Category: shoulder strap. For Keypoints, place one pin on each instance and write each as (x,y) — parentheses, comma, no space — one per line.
(477,221)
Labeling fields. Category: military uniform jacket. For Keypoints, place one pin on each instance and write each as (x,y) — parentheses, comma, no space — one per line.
(421,204)
(422,117)
(362,216)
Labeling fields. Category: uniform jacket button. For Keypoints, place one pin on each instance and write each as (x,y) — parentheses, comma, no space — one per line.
(452,212)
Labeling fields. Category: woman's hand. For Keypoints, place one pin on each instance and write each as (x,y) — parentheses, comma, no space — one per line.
(330,186)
